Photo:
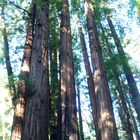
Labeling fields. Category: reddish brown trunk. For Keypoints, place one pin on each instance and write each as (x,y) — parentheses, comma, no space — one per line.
(129,75)
(37,107)
(106,122)
(68,95)
(127,118)
(89,78)
(23,90)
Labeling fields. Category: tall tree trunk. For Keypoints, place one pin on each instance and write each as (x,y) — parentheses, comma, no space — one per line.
(106,121)
(133,121)
(125,109)
(131,112)
(54,87)
(129,75)
(23,87)
(54,82)
(81,133)
(69,128)
(121,114)
(89,79)
(37,107)
(127,117)
(7,58)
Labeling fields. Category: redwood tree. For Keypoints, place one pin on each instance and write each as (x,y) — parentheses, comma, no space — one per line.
(69,128)
(54,72)
(106,122)
(127,125)
(127,70)
(23,85)
(81,133)
(37,107)
(89,76)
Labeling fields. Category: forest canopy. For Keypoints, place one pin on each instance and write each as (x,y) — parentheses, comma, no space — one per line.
(69,70)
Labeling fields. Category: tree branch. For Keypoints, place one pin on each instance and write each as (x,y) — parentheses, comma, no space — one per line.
(18,7)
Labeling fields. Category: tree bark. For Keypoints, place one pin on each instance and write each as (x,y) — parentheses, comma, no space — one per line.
(37,107)
(89,79)
(129,75)
(130,104)
(106,121)
(133,121)
(69,130)
(81,133)
(128,120)
(23,87)
(125,109)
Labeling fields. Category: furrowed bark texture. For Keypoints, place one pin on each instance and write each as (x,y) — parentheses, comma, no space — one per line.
(106,122)
(23,87)
(129,75)
(37,108)
(69,130)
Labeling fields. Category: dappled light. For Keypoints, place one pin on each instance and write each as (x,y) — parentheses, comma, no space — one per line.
(65,30)
(25,67)
(88,7)
(68,70)
(19,110)
(16,133)
(106,118)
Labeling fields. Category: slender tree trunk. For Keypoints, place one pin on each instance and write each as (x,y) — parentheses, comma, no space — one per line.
(89,79)
(37,107)
(23,89)
(134,123)
(125,109)
(122,116)
(129,75)
(81,134)
(54,92)
(132,116)
(69,128)
(128,125)
(7,58)
(54,73)
(106,121)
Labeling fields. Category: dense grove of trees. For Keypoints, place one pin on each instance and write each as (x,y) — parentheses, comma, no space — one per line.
(56,39)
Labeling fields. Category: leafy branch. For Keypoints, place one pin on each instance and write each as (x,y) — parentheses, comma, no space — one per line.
(11,2)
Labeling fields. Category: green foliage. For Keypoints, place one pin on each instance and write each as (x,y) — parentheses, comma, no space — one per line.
(138,3)
(138,7)
(77,64)
(16,21)
(75,4)
(2,60)
(5,114)
(113,65)
(76,56)
(26,79)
